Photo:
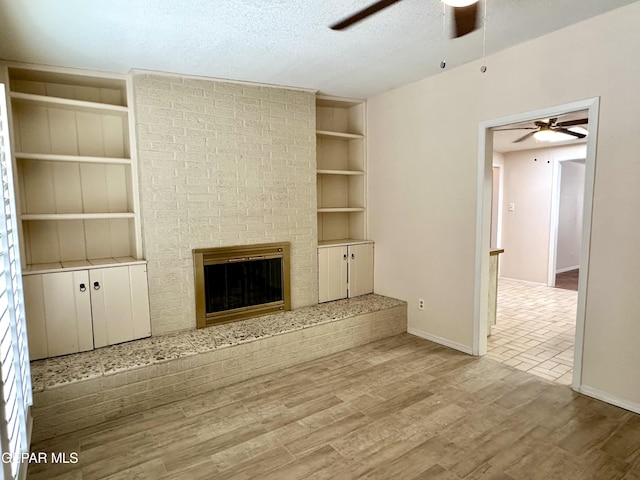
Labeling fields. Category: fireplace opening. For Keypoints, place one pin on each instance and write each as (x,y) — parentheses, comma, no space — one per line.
(233,283)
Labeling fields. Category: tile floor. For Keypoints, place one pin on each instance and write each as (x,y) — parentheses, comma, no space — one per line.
(535,329)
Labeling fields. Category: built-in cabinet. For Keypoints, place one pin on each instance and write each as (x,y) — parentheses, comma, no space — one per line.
(75,180)
(341,183)
(345,256)
(78,310)
(344,270)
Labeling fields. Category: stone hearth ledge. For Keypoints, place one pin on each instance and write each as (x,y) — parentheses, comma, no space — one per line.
(55,372)
(113,383)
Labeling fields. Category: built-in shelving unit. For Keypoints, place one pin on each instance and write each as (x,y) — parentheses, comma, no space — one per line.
(76,180)
(341,164)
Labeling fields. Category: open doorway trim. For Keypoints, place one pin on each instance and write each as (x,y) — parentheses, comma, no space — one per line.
(555,216)
(483,221)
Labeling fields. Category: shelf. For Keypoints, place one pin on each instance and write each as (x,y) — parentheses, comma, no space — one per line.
(339,135)
(69,104)
(340,172)
(66,266)
(337,102)
(342,242)
(340,210)
(75,216)
(340,169)
(49,157)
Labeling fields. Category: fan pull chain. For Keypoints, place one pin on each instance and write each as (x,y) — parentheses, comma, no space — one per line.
(483,68)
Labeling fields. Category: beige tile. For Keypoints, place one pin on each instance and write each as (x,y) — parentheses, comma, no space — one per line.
(538,324)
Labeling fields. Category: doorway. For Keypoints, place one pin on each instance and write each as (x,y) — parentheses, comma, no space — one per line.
(483,231)
(567,211)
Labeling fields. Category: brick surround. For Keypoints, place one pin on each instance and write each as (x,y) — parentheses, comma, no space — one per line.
(222,164)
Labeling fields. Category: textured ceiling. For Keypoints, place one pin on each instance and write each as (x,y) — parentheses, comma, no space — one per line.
(283,42)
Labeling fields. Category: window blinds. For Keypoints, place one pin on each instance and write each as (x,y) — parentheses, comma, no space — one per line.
(14,354)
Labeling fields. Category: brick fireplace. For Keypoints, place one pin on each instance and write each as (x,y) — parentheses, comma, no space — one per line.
(233,283)
(222,164)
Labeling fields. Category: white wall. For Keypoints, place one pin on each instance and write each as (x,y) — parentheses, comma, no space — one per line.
(423,154)
(570,215)
(528,185)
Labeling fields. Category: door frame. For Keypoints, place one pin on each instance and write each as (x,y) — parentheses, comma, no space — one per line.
(500,194)
(555,215)
(483,221)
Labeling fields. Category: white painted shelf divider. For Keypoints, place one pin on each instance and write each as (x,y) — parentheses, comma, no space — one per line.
(50,157)
(340,172)
(75,216)
(70,104)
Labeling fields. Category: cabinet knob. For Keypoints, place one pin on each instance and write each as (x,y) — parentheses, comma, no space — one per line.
(353,256)
(344,257)
(96,285)
(83,287)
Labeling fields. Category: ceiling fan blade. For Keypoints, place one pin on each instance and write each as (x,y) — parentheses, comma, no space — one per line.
(362,14)
(569,132)
(465,19)
(524,137)
(573,123)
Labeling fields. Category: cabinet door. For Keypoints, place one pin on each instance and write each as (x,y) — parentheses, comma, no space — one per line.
(332,273)
(120,304)
(58,312)
(360,269)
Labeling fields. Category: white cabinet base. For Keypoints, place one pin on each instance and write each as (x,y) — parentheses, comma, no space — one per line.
(360,269)
(58,313)
(332,273)
(120,304)
(344,270)
(79,310)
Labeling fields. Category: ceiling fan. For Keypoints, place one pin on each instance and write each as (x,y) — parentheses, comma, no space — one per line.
(548,128)
(465,15)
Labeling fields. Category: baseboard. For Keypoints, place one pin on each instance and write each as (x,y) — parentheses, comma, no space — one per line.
(528,282)
(440,340)
(606,397)
(567,269)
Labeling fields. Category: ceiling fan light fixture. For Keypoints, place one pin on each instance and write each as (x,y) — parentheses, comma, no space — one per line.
(545,135)
(459,3)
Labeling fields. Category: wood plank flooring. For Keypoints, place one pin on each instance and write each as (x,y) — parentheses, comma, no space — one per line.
(568,280)
(400,408)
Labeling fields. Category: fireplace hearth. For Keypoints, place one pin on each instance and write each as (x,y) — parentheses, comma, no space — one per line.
(234,283)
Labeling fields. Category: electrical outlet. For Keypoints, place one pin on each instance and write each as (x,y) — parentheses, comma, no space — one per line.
(420,304)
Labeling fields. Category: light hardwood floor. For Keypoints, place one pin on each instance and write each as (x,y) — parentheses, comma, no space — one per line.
(400,408)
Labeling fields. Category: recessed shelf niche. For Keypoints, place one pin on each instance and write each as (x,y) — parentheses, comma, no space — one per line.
(341,168)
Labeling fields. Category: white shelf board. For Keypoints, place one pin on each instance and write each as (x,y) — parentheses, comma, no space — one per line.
(337,102)
(340,209)
(341,135)
(69,104)
(44,74)
(340,172)
(49,157)
(342,242)
(75,216)
(91,264)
